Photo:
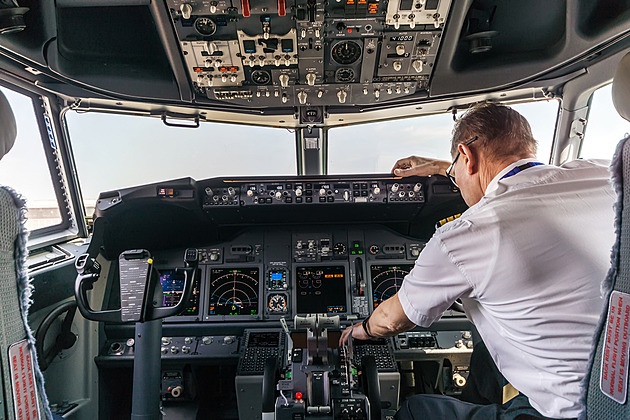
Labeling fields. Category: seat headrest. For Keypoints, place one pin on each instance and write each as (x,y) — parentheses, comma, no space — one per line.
(621,87)
(8,128)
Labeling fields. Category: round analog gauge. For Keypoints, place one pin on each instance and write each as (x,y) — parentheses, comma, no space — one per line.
(386,280)
(346,52)
(344,75)
(205,26)
(340,248)
(261,77)
(374,249)
(277,303)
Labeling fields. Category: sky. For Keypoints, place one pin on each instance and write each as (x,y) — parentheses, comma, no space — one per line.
(116,151)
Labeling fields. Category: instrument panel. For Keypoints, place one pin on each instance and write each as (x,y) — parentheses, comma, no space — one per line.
(309,53)
(268,273)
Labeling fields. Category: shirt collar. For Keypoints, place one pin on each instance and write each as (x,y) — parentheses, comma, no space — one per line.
(494,184)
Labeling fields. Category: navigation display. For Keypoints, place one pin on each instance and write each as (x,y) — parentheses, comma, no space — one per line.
(321,290)
(386,280)
(172,288)
(233,291)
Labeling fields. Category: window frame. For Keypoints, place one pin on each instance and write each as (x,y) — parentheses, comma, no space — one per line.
(60,167)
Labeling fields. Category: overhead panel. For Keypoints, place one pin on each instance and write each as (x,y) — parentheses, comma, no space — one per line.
(309,53)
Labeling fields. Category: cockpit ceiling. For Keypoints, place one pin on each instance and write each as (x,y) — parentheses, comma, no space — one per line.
(307,59)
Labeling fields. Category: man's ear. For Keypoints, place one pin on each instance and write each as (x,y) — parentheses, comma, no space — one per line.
(470,157)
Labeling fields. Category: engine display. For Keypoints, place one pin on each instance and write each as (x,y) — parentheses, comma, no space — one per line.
(321,289)
(386,280)
(172,287)
(234,291)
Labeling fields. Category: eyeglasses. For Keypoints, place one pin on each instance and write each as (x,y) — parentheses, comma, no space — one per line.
(449,171)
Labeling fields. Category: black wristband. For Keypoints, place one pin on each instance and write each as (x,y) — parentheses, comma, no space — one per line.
(364,324)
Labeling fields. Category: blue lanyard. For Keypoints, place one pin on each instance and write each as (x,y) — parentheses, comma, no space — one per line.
(520,169)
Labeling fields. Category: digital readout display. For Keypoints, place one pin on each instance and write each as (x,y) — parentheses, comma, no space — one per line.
(321,290)
(173,287)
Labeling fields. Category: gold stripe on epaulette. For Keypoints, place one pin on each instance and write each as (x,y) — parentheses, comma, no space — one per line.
(448,219)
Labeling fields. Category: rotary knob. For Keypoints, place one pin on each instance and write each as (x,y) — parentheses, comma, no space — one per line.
(342,95)
(188,340)
(186,10)
(278,195)
(400,49)
(207,340)
(395,187)
(227,340)
(417,187)
(284,80)
(302,97)
(310,78)
(322,192)
(213,7)
(397,65)
(417,65)
(298,192)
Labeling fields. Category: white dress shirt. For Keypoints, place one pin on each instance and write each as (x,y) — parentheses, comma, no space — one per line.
(527,262)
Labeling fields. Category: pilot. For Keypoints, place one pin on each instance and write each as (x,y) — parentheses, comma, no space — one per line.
(526,259)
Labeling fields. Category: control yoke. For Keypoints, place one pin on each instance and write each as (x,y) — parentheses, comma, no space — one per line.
(138,283)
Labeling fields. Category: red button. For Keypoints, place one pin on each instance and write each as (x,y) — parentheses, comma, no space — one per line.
(298,395)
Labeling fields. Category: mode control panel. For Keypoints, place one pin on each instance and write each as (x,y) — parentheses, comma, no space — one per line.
(303,192)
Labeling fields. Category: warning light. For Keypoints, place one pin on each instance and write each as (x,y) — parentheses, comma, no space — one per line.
(349,30)
(298,395)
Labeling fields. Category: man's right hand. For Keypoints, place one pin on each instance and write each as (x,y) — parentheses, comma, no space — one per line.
(419,166)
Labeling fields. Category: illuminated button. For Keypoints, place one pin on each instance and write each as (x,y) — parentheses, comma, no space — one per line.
(298,396)
(250,193)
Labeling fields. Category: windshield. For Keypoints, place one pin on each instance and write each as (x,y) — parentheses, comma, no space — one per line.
(133,150)
(375,147)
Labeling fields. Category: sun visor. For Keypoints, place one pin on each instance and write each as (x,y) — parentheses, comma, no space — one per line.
(8,128)
(621,88)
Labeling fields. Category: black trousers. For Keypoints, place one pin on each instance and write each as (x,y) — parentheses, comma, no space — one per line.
(481,399)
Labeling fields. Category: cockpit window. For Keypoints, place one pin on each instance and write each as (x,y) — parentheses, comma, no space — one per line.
(605,127)
(375,147)
(25,168)
(116,151)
